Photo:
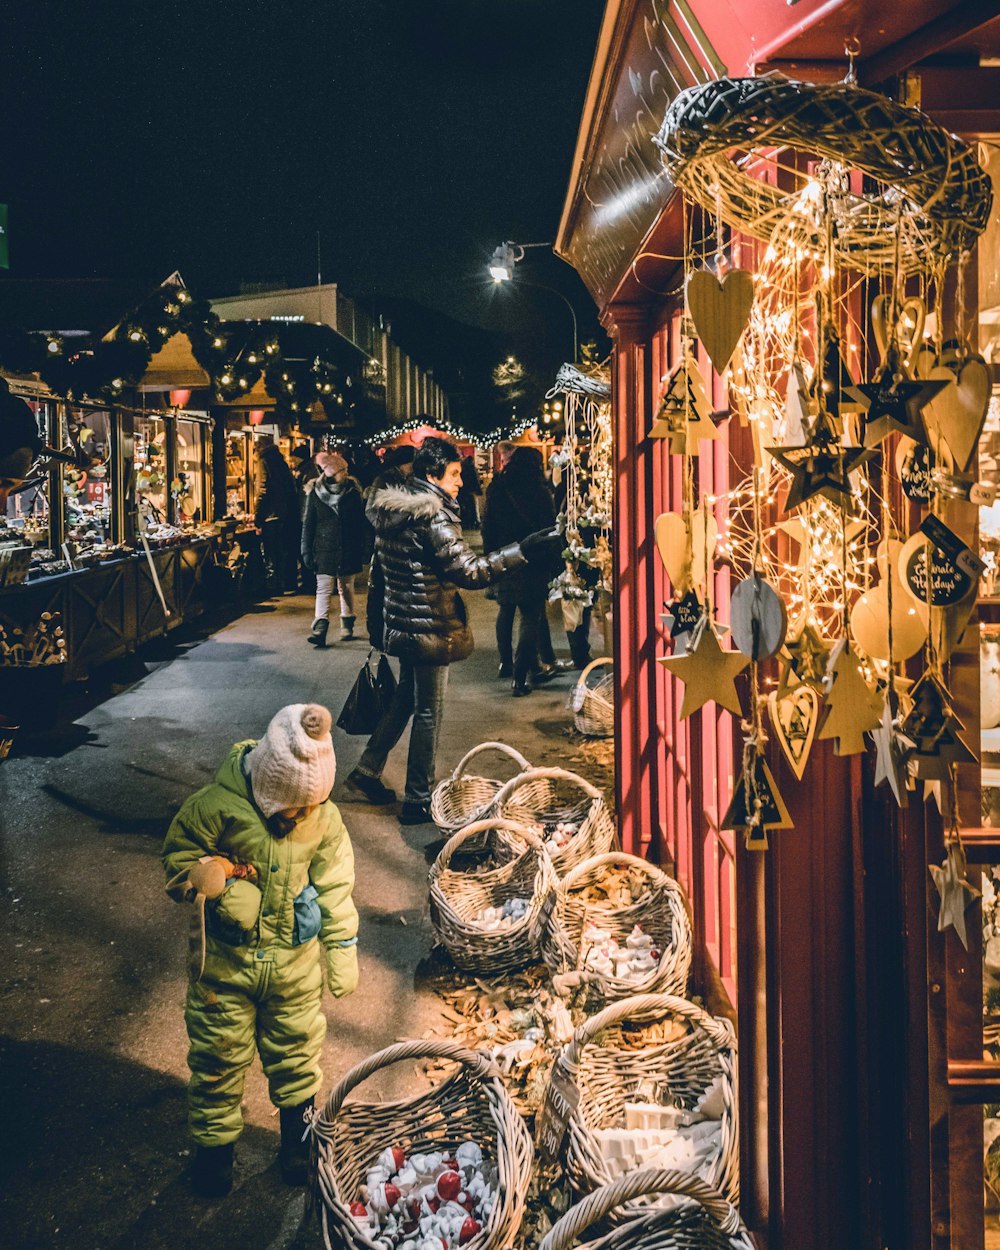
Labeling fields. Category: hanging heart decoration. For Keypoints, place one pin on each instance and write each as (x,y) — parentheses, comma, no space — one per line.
(909,327)
(959,412)
(720,311)
(673,542)
(794,717)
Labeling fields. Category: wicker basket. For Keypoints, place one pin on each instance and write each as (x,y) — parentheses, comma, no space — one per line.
(547,796)
(661,912)
(608,1072)
(594,706)
(522,869)
(464,797)
(470,1104)
(706,1221)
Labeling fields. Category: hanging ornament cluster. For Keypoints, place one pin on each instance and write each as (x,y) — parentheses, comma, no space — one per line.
(583,467)
(819,297)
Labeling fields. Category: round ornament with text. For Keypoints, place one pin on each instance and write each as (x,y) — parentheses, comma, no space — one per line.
(948,584)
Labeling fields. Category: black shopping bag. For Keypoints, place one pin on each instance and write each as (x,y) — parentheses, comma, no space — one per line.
(370,696)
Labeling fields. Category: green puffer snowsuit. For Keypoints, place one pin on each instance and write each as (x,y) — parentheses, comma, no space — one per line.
(262,983)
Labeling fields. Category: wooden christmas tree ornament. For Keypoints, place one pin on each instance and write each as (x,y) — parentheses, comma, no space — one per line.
(756,805)
(685,415)
(852,709)
(720,311)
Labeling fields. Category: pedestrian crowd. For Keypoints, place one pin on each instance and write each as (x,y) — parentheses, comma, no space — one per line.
(262,846)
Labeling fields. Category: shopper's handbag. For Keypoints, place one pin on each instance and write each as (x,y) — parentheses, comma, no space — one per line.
(370,696)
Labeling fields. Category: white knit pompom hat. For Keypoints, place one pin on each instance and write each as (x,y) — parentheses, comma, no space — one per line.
(293,765)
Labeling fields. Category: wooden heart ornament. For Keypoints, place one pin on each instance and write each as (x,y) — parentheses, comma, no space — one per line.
(673,542)
(720,311)
(960,411)
(909,331)
(794,716)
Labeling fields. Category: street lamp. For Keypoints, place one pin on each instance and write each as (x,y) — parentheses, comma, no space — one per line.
(505,256)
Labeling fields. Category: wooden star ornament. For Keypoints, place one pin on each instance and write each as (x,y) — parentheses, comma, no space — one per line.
(822,467)
(708,673)
(955,891)
(890,754)
(894,404)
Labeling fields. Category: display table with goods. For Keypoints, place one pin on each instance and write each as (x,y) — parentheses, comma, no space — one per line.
(110,598)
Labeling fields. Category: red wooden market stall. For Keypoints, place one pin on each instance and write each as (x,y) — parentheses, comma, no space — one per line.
(864,1071)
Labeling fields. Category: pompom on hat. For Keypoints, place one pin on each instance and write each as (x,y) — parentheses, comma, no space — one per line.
(293,765)
(331,462)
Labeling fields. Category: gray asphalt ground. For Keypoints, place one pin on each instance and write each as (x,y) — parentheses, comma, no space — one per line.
(93,1146)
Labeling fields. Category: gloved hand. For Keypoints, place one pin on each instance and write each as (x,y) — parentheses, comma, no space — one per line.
(542,546)
(342,970)
(309,563)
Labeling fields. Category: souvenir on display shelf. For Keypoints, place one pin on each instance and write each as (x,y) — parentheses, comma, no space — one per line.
(584,464)
(827,305)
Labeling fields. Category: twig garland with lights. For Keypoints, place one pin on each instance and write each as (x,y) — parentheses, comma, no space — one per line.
(824,441)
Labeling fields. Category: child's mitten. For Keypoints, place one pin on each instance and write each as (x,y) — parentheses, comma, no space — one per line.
(342,969)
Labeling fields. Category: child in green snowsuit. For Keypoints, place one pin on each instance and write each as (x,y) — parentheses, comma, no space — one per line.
(285,915)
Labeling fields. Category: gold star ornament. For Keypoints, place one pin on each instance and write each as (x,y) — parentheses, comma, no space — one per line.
(708,673)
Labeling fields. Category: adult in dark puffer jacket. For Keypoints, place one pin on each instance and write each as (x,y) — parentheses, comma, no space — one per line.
(424,561)
(333,537)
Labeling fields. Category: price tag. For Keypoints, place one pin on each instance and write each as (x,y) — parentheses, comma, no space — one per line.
(561,1101)
(948,541)
(983,493)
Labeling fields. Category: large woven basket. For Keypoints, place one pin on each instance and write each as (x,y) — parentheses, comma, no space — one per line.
(660,912)
(609,1067)
(520,869)
(705,1221)
(470,1104)
(594,706)
(547,796)
(464,797)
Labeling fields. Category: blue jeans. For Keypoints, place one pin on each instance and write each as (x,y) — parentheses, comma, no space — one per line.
(420,694)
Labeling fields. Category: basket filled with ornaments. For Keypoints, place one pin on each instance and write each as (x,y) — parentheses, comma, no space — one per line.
(488,911)
(446,1168)
(567,813)
(619,927)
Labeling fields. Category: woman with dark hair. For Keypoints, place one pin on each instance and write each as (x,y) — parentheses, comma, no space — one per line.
(424,560)
(277,521)
(518,503)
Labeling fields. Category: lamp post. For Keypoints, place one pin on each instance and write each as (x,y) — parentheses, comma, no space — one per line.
(505,257)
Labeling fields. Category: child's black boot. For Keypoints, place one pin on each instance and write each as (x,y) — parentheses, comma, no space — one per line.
(212,1172)
(294,1153)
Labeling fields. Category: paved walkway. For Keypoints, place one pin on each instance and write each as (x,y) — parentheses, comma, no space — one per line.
(93,1148)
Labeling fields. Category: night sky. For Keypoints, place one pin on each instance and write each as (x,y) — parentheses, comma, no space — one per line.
(217,137)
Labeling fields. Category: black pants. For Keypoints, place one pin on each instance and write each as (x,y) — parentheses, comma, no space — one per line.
(579,640)
(280,541)
(534,642)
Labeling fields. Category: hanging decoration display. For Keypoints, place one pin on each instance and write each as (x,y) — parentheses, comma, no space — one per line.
(583,470)
(817,291)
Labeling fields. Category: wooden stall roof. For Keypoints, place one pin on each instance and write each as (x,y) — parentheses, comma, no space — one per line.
(620,225)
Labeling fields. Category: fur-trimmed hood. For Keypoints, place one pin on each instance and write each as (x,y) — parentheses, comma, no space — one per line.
(392,506)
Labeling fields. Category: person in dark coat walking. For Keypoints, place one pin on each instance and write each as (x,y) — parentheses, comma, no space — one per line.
(471,489)
(333,542)
(278,522)
(518,501)
(424,559)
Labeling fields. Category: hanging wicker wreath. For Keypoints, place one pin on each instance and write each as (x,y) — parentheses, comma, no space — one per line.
(933,187)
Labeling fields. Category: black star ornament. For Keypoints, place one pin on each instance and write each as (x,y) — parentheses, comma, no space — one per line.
(894,404)
(823,467)
(686,613)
